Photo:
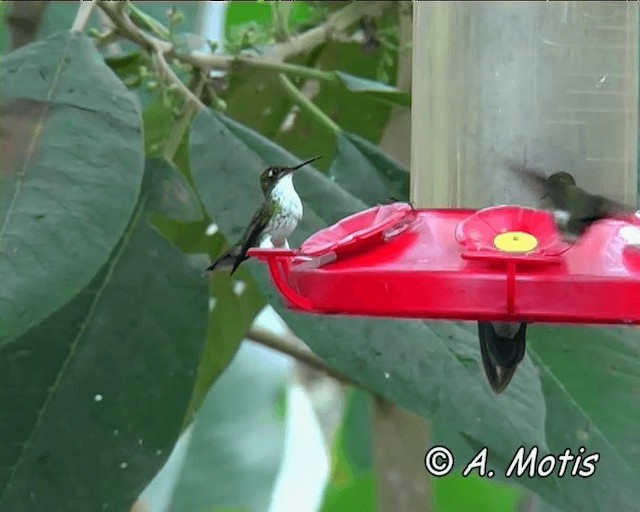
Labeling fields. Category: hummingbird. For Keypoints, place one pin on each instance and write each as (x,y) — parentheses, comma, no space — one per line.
(502,347)
(276,219)
(574,209)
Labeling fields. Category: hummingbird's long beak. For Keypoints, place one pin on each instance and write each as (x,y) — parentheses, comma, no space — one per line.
(291,169)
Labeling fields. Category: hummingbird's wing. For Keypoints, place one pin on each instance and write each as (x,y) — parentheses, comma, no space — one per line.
(551,197)
(253,233)
(232,257)
(502,346)
(227,260)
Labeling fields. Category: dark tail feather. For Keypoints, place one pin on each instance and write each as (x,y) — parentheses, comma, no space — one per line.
(238,260)
(229,260)
(501,355)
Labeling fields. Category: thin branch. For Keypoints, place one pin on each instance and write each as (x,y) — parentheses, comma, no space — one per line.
(292,346)
(165,68)
(178,129)
(272,58)
(111,36)
(82,16)
(305,103)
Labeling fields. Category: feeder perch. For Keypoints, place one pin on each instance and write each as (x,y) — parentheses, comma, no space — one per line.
(503,263)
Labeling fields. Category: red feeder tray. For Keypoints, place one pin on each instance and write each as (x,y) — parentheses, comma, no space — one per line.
(504,263)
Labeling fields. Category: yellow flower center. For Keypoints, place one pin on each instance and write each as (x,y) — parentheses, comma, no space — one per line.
(515,241)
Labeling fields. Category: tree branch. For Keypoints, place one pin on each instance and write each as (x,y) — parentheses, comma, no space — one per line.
(165,68)
(292,346)
(82,16)
(276,54)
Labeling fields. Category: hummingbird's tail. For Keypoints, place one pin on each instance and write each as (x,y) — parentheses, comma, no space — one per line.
(502,346)
(229,260)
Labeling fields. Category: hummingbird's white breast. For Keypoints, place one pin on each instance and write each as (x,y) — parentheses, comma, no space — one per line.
(284,222)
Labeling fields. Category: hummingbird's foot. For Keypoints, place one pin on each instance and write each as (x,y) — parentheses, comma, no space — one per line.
(406,201)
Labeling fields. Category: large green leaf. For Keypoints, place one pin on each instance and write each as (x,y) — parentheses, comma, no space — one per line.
(432,369)
(231,313)
(72,167)
(591,380)
(366,172)
(238,439)
(94,398)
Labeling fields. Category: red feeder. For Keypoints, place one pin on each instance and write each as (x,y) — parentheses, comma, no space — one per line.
(504,263)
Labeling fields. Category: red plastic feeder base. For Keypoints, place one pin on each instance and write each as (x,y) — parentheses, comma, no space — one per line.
(501,263)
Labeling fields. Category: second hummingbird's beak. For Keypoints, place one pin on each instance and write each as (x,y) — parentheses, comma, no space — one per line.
(291,169)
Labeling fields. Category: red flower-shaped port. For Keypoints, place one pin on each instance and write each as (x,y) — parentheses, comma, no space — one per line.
(359,230)
(507,233)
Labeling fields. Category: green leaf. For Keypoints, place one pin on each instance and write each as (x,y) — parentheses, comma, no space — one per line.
(431,368)
(612,358)
(172,195)
(351,475)
(453,493)
(127,66)
(238,438)
(354,113)
(94,398)
(358,494)
(366,172)
(257,99)
(354,439)
(158,119)
(591,377)
(232,315)
(238,14)
(375,90)
(70,179)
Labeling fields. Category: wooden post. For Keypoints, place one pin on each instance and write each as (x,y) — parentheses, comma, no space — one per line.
(553,82)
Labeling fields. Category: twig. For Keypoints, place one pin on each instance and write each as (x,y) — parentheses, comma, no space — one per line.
(306,104)
(165,68)
(82,16)
(291,346)
(272,58)
(110,38)
(178,129)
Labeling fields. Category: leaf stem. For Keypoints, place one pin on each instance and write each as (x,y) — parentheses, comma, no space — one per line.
(82,16)
(306,104)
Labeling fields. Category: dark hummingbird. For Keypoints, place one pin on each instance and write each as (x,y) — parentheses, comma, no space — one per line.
(276,219)
(574,209)
(502,347)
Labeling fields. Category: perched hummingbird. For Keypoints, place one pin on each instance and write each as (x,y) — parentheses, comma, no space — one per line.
(276,219)
(574,209)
